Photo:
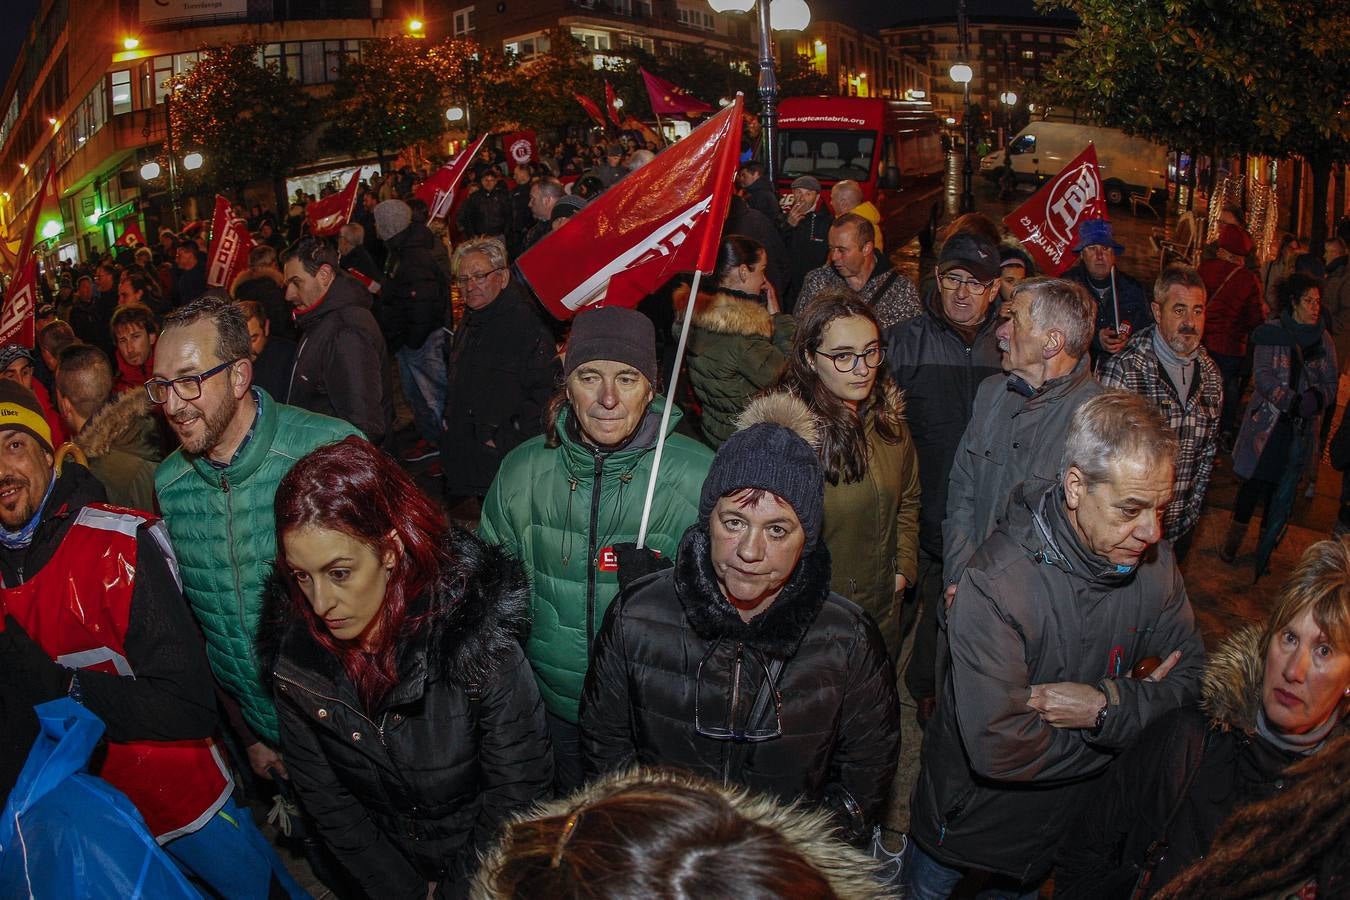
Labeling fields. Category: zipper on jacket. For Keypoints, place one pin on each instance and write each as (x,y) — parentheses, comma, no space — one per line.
(731,712)
(591,560)
(379,728)
(234,564)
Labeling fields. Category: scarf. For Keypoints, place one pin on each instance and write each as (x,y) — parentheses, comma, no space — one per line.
(17,540)
(1180,369)
(1306,744)
(1304,335)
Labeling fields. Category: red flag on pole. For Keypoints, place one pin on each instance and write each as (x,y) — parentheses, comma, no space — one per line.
(327,216)
(662,219)
(438,191)
(1048,223)
(591,109)
(670,98)
(131,236)
(17,316)
(611,106)
(46,206)
(230,246)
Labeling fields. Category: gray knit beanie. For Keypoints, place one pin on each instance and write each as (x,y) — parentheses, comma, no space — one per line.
(613,333)
(391,217)
(772,451)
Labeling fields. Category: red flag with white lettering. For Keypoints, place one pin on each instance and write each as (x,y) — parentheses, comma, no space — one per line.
(327,216)
(438,191)
(17,322)
(230,246)
(131,237)
(660,220)
(1048,223)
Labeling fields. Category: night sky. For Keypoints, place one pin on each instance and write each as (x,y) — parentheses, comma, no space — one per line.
(19,14)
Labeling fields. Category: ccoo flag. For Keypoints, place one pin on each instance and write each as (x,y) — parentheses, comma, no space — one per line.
(327,216)
(662,219)
(230,246)
(438,191)
(1048,223)
(17,317)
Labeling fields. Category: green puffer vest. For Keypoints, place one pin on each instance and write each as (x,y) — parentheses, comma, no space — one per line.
(544,508)
(223,531)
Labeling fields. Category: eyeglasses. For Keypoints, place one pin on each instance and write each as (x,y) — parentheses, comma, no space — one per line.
(847,361)
(729,731)
(189,387)
(467,280)
(976,288)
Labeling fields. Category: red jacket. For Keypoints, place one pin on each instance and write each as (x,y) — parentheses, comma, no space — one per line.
(1234,306)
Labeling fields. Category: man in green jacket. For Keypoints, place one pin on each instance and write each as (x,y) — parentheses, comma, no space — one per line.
(566,501)
(216,492)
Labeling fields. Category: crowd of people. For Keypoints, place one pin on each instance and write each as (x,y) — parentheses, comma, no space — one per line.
(556,680)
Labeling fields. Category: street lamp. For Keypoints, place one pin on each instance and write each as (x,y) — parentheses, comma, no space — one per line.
(130,43)
(191,161)
(961,74)
(454,114)
(780,15)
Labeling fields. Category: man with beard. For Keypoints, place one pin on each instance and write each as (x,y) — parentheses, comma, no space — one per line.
(92,611)
(216,492)
(1167,365)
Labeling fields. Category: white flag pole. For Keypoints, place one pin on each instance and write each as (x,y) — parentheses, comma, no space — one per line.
(1115,303)
(665,413)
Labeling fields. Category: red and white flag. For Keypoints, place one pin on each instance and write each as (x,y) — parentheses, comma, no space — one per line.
(438,191)
(230,246)
(131,236)
(671,99)
(612,105)
(47,207)
(17,317)
(521,147)
(327,216)
(591,109)
(660,220)
(1048,223)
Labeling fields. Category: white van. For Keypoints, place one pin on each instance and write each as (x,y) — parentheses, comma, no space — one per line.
(1128,164)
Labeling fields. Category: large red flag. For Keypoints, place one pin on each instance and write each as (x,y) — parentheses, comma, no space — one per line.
(591,109)
(46,205)
(132,236)
(230,246)
(438,191)
(671,99)
(327,216)
(612,106)
(662,219)
(1048,223)
(17,317)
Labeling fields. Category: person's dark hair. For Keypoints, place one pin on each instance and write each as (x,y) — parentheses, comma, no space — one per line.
(661,836)
(56,336)
(1285,240)
(109,267)
(84,377)
(753,167)
(588,186)
(736,250)
(262,256)
(216,307)
(354,488)
(133,314)
(313,254)
(1292,288)
(844,452)
(187,244)
(143,282)
(419,209)
(253,311)
(977,224)
(864,232)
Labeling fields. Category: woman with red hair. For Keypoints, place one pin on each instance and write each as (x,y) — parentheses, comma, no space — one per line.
(410,720)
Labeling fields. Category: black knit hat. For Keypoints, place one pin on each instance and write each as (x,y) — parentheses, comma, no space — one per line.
(613,333)
(772,452)
(20,411)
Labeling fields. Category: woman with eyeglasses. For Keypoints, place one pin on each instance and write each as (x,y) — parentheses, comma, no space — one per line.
(410,719)
(837,367)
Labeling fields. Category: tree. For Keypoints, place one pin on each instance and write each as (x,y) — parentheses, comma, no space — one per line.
(249,120)
(798,77)
(1224,76)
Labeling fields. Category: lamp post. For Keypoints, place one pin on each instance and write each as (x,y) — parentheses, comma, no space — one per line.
(190,162)
(1009,100)
(783,15)
(961,74)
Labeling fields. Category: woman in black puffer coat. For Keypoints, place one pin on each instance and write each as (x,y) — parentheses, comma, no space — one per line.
(411,725)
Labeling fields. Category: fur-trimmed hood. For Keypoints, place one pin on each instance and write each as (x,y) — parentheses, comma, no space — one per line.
(480,605)
(725,313)
(122,424)
(808,832)
(778,631)
(1230,689)
(251,274)
(782,408)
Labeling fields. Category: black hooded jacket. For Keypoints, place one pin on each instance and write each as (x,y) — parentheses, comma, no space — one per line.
(674,664)
(414,295)
(411,791)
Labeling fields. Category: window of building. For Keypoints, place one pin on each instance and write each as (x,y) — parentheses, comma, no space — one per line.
(637,40)
(1028,38)
(286,57)
(336,55)
(465,21)
(695,18)
(527,45)
(595,41)
(120,85)
(1028,54)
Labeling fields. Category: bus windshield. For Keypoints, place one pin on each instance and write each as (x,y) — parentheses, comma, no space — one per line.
(835,155)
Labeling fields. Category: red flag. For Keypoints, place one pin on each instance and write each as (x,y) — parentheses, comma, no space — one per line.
(230,246)
(632,124)
(327,216)
(521,147)
(131,237)
(668,99)
(591,109)
(611,106)
(1048,223)
(438,191)
(17,322)
(664,218)
(46,206)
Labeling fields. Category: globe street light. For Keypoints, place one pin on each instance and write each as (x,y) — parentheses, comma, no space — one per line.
(780,15)
(961,74)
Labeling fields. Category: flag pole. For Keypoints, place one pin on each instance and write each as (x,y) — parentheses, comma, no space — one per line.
(665,413)
(1115,302)
(661,129)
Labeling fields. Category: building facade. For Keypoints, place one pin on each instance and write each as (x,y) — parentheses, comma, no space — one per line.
(858,64)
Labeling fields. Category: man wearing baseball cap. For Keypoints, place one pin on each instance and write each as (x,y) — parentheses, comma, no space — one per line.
(568,503)
(1122,302)
(806,231)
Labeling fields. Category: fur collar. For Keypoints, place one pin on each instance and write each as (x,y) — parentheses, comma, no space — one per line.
(725,314)
(251,274)
(779,630)
(481,608)
(809,832)
(1230,689)
(119,424)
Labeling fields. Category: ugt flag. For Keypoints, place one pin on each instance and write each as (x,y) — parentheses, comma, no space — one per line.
(230,246)
(327,216)
(662,219)
(438,191)
(1048,223)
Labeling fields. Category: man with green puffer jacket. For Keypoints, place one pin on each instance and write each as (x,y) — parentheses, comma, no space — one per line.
(216,490)
(568,501)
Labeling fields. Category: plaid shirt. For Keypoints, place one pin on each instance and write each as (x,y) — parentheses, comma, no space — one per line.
(1196,421)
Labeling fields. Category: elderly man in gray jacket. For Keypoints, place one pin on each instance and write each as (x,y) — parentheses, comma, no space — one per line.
(1070,634)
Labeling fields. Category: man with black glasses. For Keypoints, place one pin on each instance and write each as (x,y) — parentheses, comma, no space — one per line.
(739,664)
(215,493)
